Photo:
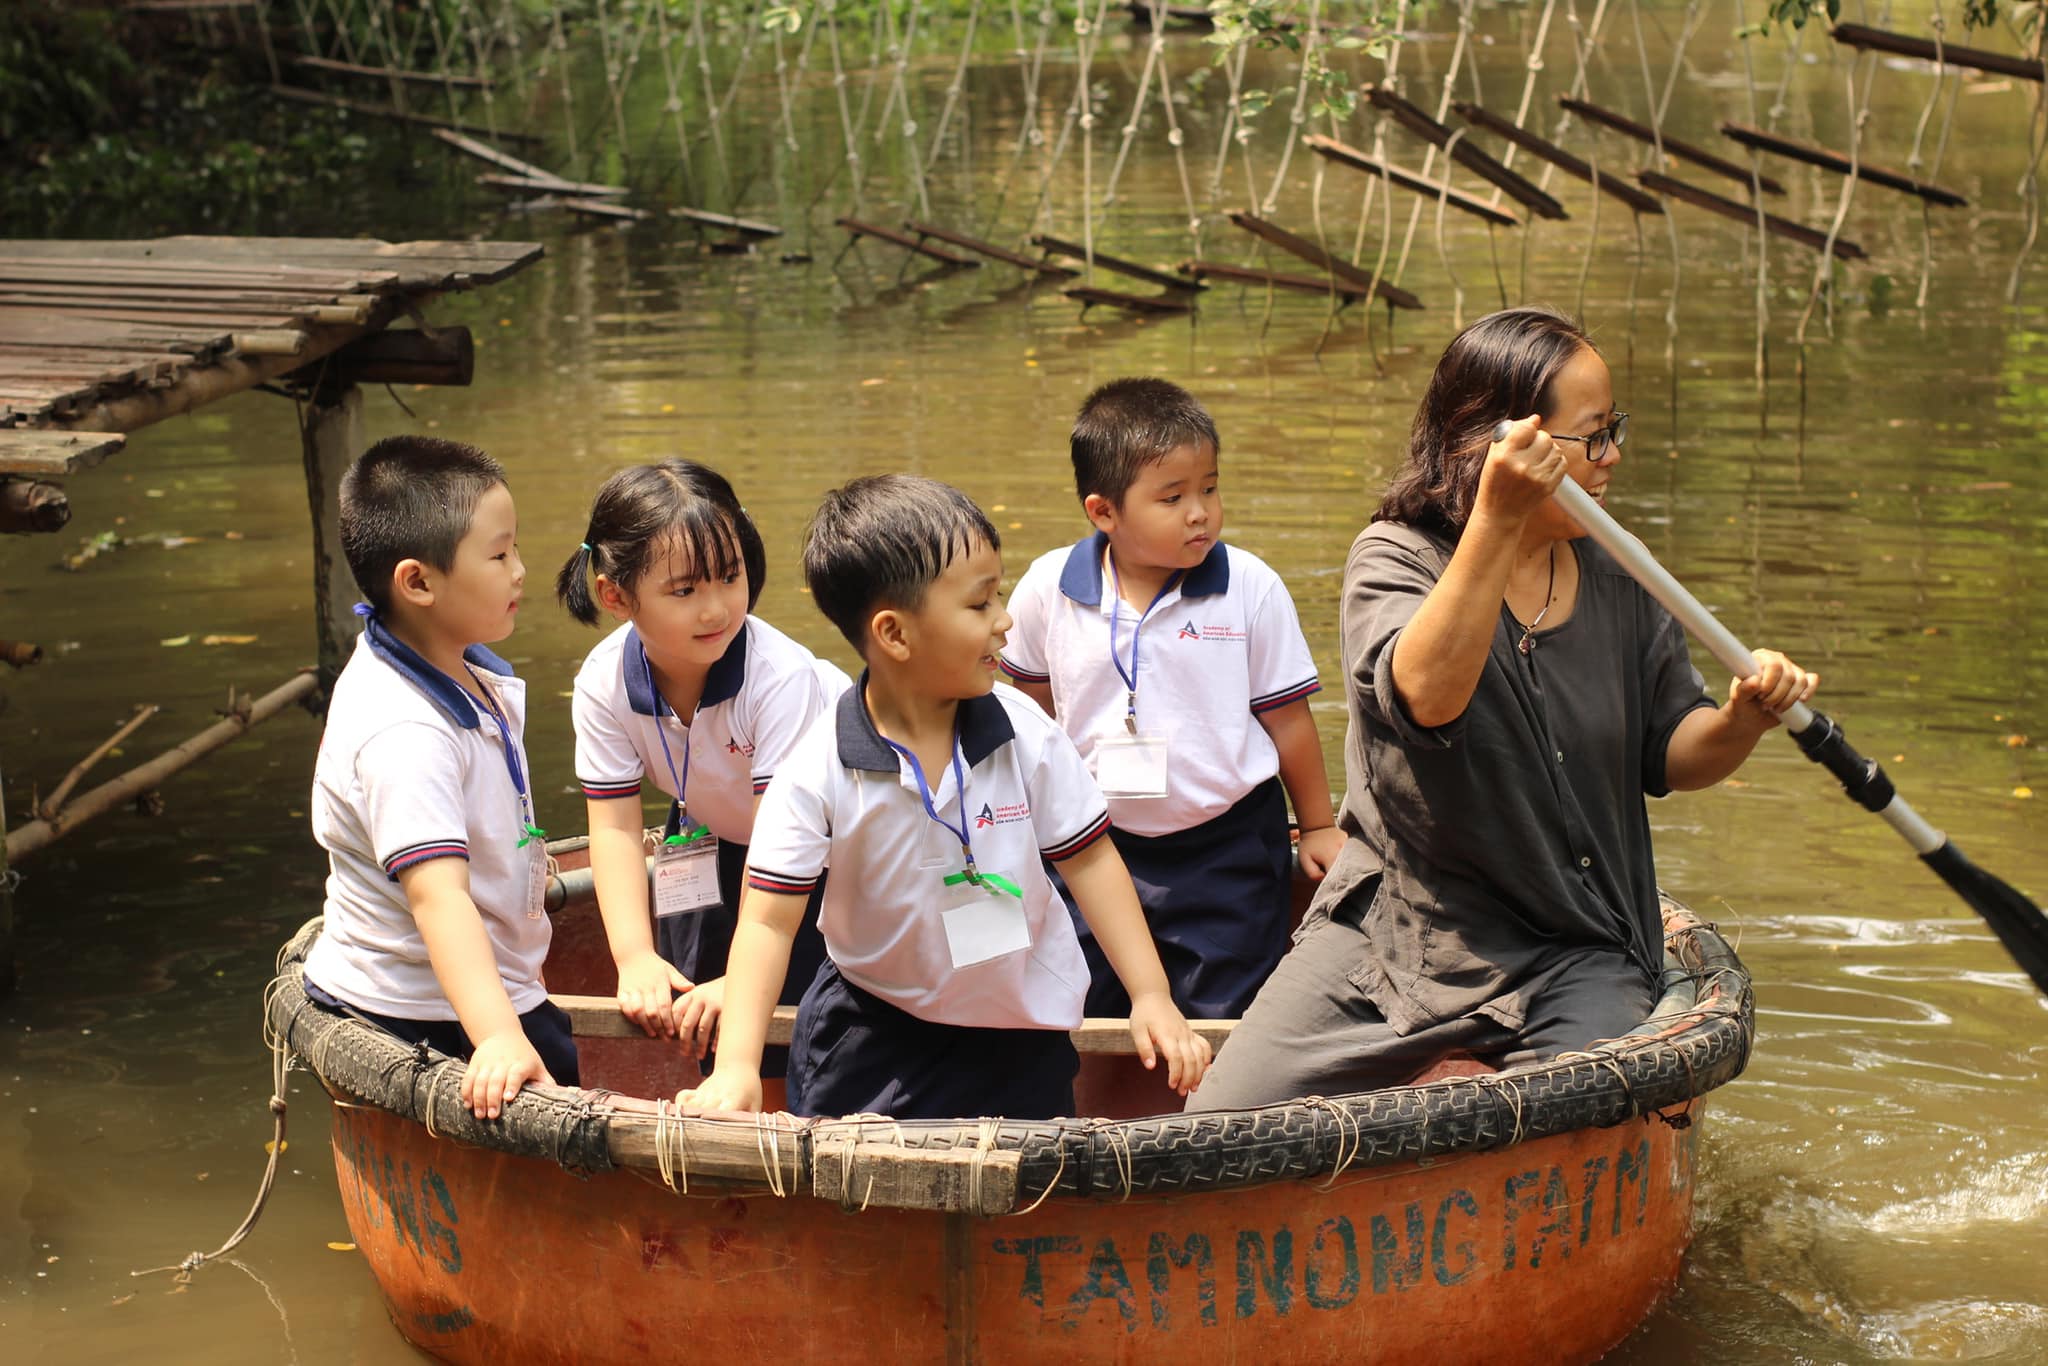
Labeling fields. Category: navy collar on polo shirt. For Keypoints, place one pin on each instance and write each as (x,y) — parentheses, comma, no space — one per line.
(1081,579)
(448,696)
(721,681)
(983,725)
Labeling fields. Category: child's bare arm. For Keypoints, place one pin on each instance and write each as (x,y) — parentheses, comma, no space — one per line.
(618,866)
(1102,890)
(467,969)
(755,967)
(1293,728)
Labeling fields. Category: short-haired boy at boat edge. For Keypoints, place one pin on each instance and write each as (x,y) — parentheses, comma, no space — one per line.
(1177,665)
(421,796)
(934,793)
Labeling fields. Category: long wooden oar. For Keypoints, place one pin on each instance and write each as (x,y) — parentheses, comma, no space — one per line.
(2018,922)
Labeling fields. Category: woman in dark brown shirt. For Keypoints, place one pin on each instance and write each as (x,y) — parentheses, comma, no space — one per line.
(1514,698)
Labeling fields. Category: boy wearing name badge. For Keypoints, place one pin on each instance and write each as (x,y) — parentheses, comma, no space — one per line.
(1177,665)
(937,795)
(434,923)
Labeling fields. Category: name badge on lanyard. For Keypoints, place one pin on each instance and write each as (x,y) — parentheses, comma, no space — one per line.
(983,913)
(532,838)
(1131,763)
(685,868)
(686,863)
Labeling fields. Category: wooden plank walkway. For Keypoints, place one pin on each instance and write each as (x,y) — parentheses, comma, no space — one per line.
(1482,164)
(1828,159)
(1673,147)
(1747,213)
(87,326)
(1607,183)
(1059,246)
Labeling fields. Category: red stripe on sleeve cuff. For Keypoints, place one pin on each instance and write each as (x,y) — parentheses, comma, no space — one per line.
(1059,853)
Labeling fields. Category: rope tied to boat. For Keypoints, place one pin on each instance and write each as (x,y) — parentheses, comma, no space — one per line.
(768,1144)
(280,1067)
(1050,1186)
(670,1163)
(984,1144)
(1350,1139)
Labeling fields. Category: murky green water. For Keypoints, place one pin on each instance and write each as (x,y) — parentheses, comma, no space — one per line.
(1875,1186)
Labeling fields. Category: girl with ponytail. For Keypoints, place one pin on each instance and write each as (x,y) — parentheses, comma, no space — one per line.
(699,697)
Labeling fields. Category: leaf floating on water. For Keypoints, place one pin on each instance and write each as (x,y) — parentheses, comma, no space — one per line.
(2023,792)
(1930,630)
(871,383)
(201,1176)
(175,641)
(227,640)
(341,1247)
(2016,742)
(273,1146)
(122,1299)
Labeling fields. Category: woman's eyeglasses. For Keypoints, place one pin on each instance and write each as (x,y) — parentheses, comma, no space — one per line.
(1595,442)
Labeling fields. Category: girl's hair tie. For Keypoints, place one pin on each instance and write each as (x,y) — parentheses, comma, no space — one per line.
(586,548)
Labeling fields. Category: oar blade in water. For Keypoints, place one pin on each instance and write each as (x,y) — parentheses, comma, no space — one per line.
(2018,922)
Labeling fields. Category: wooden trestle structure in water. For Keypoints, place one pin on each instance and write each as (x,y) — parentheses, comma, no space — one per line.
(101,339)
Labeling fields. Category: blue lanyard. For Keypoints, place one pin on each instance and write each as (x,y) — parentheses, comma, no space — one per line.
(1130,678)
(529,832)
(959,790)
(682,780)
(677,808)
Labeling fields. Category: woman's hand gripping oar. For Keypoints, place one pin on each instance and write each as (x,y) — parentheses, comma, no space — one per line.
(2018,922)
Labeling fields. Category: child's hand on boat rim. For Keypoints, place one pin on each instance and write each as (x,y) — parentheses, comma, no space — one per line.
(726,1088)
(648,985)
(501,1065)
(694,1016)
(1161,1031)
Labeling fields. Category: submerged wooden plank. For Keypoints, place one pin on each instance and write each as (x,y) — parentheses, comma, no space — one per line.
(388,74)
(1354,276)
(1487,167)
(1747,213)
(745,227)
(1608,184)
(1684,151)
(29,451)
(505,161)
(1253,275)
(860,228)
(1137,303)
(989,249)
(1830,160)
(1079,252)
(1976,58)
(519,184)
(1410,180)
(385,111)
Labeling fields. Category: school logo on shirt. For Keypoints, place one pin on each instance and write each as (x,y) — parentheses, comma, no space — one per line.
(1007,814)
(734,746)
(1190,631)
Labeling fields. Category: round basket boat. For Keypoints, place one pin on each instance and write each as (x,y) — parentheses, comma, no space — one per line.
(1531,1215)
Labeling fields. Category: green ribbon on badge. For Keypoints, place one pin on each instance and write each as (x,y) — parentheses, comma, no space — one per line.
(533,832)
(994,882)
(681,838)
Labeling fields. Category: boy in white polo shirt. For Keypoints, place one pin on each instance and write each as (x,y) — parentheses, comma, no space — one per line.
(934,793)
(1177,665)
(421,795)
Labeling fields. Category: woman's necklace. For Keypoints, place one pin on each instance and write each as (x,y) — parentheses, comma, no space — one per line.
(1528,642)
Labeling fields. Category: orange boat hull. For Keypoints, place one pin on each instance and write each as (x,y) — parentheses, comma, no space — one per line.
(1551,1251)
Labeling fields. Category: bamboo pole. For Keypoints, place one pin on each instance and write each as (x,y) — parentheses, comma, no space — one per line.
(145,777)
(52,806)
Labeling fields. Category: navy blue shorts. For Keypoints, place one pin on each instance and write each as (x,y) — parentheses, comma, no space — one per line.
(1218,898)
(698,944)
(546,1026)
(854,1053)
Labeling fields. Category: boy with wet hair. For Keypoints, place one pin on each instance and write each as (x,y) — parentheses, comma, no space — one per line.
(1178,667)
(434,923)
(936,795)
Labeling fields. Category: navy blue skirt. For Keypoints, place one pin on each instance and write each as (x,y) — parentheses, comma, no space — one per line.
(546,1027)
(854,1053)
(699,943)
(1218,898)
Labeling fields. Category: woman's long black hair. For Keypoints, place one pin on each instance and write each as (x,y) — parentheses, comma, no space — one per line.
(1502,366)
(634,516)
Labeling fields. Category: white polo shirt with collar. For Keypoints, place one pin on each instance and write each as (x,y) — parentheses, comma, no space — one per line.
(758,700)
(410,769)
(1221,645)
(846,798)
